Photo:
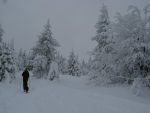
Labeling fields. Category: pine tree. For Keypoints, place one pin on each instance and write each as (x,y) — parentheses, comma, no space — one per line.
(73,65)
(103,53)
(7,60)
(62,63)
(103,28)
(84,68)
(22,60)
(30,61)
(44,51)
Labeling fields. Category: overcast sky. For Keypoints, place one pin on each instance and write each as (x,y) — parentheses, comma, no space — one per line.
(72,21)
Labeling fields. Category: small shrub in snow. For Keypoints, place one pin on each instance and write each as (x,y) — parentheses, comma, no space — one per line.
(137,86)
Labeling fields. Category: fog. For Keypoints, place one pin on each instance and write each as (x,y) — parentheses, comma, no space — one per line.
(72,21)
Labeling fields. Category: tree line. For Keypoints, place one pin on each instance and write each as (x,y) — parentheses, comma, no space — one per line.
(121,55)
(38,59)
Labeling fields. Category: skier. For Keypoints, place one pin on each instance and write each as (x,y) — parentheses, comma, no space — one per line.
(25,76)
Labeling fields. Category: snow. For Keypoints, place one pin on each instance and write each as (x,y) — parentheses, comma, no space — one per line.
(69,95)
(54,72)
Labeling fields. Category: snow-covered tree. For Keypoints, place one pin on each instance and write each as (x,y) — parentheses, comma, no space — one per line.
(62,63)
(122,53)
(30,60)
(103,53)
(73,65)
(39,66)
(90,64)
(102,30)
(84,68)
(45,48)
(133,44)
(7,60)
(22,60)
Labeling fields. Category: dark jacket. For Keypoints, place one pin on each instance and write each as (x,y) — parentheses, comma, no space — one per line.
(25,74)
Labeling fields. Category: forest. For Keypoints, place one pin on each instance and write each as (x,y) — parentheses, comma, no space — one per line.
(120,58)
(121,54)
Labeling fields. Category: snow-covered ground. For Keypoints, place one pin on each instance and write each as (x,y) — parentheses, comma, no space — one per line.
(69,95)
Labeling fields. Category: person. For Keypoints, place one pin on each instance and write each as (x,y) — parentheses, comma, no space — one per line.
(25,76)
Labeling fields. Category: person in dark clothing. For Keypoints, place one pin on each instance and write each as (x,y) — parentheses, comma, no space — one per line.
(25,76)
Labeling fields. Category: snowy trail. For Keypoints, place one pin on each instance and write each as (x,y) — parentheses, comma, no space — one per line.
(68,95)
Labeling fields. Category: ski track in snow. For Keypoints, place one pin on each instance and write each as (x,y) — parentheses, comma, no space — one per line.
(68,95)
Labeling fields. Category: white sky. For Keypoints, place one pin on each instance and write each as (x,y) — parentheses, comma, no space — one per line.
(72,21)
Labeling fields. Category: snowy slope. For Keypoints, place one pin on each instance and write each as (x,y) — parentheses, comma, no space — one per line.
(69,95)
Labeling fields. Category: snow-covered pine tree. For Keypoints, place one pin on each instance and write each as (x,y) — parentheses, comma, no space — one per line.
(62,63)
(30,61)
(90,64)
(103,53)
(84,68)
(44,52)
(7,60)
(73,65)
(22,60)
(133,44)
